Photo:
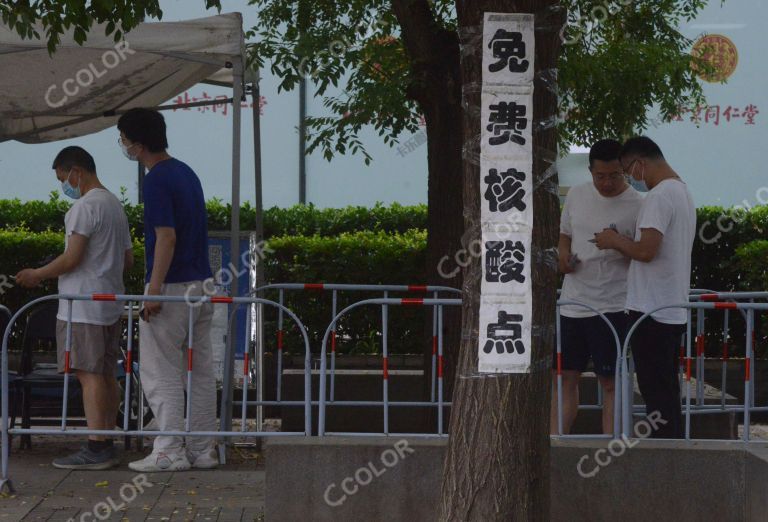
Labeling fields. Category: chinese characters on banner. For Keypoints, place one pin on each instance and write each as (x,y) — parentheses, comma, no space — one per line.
(222,108)
(506,185)
(718,115)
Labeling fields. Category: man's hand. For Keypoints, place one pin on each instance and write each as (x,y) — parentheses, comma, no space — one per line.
(567,265)
(152,307)
(606,239)
(29,278)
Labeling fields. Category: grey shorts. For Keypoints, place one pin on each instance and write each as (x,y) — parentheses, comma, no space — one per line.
(95,348)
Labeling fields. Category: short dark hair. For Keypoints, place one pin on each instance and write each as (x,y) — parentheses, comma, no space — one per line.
(144,126)
(642,147)
(604,150)
(73,156)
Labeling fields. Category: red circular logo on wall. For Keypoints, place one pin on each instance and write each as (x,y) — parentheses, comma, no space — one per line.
(721,53)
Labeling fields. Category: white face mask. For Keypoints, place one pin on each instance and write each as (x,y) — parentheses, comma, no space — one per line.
(125,150)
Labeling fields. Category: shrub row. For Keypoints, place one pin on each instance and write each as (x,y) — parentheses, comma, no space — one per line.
(370,257)
(730,253)
(304,220)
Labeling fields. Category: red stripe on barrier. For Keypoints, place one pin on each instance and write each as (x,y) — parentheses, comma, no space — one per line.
(725,351)
(417,288)
(688,369)
(66,362)
(221,299)
(439,366)
(333,340)
(314,286)
(279,339)
(128,362)
(559,363)
(709,297)
(245,364)
(103,297)
(385,369)
(747,368)
(725,306)
(415,301)
(699,345)
(189,359)
(434,345)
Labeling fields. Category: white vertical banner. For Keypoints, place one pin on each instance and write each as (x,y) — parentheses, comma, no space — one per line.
(506,193)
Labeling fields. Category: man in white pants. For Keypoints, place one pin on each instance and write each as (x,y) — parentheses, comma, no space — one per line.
(176,239)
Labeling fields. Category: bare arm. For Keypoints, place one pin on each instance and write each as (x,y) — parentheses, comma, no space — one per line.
(65,263)
(128,260)
(564,254)
(644,250)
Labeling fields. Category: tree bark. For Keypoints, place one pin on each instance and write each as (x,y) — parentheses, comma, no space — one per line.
(497,463)
(436,87)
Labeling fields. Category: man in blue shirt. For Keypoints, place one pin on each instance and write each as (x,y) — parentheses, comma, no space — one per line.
(176,242)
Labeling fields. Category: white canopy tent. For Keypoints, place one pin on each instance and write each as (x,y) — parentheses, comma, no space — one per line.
(83,89)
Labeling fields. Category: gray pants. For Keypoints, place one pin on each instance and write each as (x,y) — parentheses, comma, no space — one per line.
(163,345)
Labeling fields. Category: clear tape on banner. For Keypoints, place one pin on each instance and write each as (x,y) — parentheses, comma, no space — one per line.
(547,180)
(546,256)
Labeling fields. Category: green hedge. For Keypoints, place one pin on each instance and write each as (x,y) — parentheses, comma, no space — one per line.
(312,245)
(713,262)
(305,220)
(20,248)
(362,257)
(371,257)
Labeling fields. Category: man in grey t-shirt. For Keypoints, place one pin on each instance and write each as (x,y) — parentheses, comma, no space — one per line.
(659,276)
(97,250)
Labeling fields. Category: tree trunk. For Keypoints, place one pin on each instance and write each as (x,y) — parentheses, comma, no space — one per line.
(436,86)
(497,463)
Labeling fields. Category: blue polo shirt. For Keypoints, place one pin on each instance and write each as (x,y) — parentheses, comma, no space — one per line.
(173,197)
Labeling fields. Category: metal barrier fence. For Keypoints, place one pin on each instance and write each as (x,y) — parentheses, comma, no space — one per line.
(385,303)
(709,302)
(559,373)
(701,301)
(191,302)
(335,288)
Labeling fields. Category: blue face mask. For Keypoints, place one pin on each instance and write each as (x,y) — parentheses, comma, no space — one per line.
(69,190)
(639,186)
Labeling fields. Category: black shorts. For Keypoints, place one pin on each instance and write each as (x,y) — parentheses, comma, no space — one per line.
(589,337)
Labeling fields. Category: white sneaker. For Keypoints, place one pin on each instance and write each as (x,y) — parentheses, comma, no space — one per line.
(161,461)
(208,459)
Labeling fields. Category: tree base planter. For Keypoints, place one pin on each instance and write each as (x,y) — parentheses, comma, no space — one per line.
(394,479)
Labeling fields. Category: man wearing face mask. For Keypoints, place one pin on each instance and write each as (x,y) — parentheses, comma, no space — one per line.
(659,275)
(176,232)
(97,251)
(595,278)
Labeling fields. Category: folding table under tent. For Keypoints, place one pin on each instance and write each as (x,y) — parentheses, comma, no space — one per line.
(84,89)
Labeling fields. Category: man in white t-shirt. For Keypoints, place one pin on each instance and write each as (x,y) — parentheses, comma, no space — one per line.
(594,277)
(97,251)
(659,276)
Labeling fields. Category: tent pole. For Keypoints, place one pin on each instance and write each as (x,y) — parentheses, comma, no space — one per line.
(303,141)
(260,275)
(229,357)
